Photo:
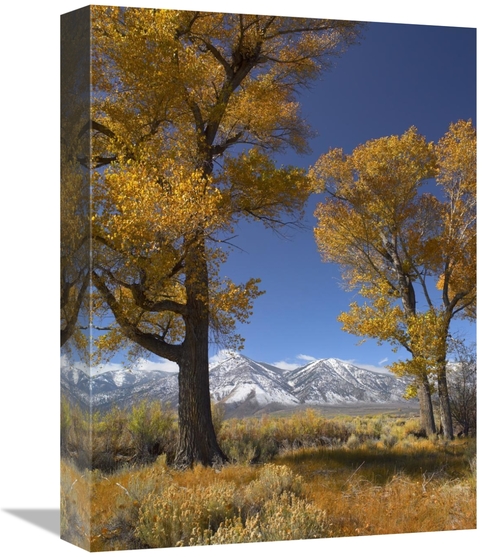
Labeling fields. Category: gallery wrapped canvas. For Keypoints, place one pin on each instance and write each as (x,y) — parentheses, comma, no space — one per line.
(197,206)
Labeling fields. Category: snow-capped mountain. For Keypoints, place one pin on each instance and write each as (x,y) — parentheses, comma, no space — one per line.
(239,381)
(122,387)
(333,381)
(242,385)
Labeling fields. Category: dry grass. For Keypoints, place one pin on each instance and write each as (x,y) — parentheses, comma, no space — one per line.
(75,505)
(362,476)
(423,487)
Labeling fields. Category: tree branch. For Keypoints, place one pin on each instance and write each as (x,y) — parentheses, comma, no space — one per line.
(149,341)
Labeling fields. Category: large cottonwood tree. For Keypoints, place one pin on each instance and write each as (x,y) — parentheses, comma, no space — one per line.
(188,109)
(397,242)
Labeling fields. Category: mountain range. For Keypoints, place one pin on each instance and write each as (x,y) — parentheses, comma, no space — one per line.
(243,385)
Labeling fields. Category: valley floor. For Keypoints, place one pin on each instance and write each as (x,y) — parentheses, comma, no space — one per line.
(397,409)
(300,477)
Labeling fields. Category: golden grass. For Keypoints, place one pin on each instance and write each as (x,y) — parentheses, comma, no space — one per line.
(75,505)
(423,487)
(379,478)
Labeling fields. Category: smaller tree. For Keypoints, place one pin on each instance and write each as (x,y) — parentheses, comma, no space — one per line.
(397,243)
(376,226)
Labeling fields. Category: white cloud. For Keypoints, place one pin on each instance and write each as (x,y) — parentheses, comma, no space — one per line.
(294,363)
(142,364)
(283,364)
(306,358)
(106,367)
(376,369)
(164,365)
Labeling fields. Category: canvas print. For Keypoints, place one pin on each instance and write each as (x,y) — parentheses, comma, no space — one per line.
(268,278)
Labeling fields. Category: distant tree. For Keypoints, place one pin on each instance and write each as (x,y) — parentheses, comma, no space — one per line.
(396,242)
(463,387)
(174,93)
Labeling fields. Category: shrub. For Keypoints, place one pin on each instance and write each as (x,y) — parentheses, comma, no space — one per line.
(111,440)
(150,425)
(75,505)
(76,439)
(388,440)
(268,508)
(244,441)
(353,442)
(65,426)
(284,517)
(273,481)
(169,518)
(218,413)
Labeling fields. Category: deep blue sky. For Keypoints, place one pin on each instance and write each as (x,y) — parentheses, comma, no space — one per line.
(399,76)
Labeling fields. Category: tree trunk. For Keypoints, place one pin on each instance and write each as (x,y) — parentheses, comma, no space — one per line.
(426,412)
(444,403)
(197,439)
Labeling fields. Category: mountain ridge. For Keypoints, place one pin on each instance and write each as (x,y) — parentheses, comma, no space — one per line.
(244,386)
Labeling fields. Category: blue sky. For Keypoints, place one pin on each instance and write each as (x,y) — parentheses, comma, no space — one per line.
(399,76)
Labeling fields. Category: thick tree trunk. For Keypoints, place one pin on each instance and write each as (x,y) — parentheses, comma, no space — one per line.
(197,439)
(426,411)
(444,403)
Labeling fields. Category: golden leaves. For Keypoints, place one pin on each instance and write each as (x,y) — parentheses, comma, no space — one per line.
(252,186)
(230,303)
(380,176)
(456,154)
(374,202)
(150,206)
(380,320)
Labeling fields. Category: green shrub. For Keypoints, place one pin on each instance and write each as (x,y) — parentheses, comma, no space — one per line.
(150,425)
(218,414)
(353,442)
(244,441)
(388,440)
(111,440)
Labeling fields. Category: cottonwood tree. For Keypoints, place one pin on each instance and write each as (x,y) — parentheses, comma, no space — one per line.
(396,243)
(188,109)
